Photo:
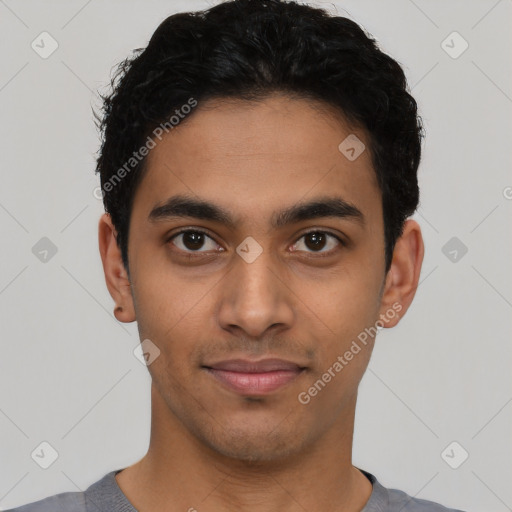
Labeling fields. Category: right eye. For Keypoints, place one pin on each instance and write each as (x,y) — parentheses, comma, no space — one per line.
(191,240)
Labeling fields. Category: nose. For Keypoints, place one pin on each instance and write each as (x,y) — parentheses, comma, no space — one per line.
(255,297)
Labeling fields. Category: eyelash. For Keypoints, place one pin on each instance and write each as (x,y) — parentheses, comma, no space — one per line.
(203,253)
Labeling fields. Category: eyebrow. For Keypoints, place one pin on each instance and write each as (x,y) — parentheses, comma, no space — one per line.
(186,206)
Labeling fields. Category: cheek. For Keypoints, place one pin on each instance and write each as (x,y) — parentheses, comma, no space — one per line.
(343,350)
(161,299)
(347,307)
(174,316)
(350,296)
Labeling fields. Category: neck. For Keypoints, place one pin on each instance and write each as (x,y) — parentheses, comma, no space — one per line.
(180,472)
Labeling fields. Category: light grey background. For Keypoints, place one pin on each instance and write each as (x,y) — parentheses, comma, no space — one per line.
(68,373)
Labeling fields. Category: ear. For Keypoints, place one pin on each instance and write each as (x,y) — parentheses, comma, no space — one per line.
(116,277)
(403,275)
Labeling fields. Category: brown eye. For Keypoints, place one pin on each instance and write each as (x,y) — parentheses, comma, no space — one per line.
(193,240)
(316,241)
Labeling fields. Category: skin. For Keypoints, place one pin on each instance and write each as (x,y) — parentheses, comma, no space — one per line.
(211,448)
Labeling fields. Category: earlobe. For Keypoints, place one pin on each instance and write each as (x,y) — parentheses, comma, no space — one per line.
(116,277)
(403,276)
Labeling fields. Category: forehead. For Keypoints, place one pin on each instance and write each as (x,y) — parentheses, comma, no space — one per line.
(279,125)
(246,156)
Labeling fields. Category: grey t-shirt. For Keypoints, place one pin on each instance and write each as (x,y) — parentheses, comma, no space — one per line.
(106,496)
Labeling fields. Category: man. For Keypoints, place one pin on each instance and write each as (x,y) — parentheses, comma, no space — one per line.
(259,165)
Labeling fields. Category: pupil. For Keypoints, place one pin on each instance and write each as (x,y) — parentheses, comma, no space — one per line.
(318,240)
(193,240)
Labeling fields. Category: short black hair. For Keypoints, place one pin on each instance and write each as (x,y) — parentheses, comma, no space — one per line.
(249,49)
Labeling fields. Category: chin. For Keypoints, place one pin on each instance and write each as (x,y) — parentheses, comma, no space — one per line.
(250,446)
(252,452)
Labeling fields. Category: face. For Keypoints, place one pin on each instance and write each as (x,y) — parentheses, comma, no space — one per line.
(299,288)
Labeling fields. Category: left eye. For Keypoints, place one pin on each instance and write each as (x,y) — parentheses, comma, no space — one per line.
(317,240)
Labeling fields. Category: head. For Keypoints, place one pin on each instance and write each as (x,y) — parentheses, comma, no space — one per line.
(281,132)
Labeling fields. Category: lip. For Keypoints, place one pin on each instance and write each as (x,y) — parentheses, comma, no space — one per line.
(261,366)
(254,377)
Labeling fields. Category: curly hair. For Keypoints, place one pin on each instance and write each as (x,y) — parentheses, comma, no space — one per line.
(249,49)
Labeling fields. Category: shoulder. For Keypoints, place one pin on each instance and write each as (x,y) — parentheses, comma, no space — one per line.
(64,502)
(399,500)
(103,494)
(383,499)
